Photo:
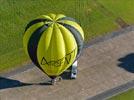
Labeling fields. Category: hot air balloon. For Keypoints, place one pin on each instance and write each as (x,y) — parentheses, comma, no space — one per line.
(53,43)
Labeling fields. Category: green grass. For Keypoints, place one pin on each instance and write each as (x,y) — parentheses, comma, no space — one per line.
(129,95)
(122,8)
(15,14)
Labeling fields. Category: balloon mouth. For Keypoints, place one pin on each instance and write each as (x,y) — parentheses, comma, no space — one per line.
(52,77)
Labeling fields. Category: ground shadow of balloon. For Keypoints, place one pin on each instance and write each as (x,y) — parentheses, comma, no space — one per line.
(127,62)
(10,83)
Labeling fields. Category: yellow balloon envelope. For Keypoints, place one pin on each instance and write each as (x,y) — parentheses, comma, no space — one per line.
(53,42)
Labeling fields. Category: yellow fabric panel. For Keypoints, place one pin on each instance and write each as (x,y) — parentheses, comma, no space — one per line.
(44,17)
(59,16)
(43,48)
(57,46)
(69,39)
(52,16)
(28,34)
(70,45)
(75,25)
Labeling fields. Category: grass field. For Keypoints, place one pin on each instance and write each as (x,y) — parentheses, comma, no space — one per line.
(15,14)
(121,8)
(129,95)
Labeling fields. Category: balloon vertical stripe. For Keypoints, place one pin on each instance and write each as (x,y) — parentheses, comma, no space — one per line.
(33,43)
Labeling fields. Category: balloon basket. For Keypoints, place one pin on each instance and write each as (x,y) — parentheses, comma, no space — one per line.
(55,80)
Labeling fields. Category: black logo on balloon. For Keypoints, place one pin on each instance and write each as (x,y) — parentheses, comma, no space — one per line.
(59,62)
